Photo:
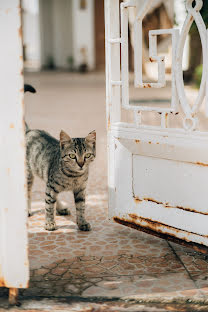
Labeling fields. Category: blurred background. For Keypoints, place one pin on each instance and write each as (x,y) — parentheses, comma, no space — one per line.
(69,35)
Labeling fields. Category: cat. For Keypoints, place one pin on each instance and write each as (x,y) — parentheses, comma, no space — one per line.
(64,166)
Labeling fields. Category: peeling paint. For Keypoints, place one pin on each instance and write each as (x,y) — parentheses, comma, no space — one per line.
(146,229)
(167,205)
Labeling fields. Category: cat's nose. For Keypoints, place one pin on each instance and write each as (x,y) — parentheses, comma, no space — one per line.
(80,163)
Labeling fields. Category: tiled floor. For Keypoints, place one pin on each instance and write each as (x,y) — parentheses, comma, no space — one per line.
(111,261)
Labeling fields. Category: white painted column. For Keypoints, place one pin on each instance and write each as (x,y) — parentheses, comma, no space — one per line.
(14,272)
(83,33)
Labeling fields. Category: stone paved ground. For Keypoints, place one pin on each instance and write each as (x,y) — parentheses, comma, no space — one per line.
(111,261)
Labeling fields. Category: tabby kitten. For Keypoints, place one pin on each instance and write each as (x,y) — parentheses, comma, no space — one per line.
(64,166)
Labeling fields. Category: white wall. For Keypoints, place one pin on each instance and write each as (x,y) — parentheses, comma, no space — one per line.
(83,32)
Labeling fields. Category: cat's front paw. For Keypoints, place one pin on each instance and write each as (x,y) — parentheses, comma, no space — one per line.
(50,226)
(84,227)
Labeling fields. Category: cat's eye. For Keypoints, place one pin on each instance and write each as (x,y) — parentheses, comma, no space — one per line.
(87,155)
(72,156)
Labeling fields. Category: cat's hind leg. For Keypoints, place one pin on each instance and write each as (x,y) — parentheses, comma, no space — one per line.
(62,208)
(30,179)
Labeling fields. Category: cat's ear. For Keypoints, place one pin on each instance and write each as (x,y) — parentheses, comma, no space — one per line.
(91,138)
(64,138)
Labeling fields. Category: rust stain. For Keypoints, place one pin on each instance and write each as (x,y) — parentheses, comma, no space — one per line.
(6,209)
(201,164)
(13,296)
(2,283)
(21,73)
(108,122)
(157,143)
(137,141)
(21,57)
(150,142)
(177,113)
(7,11)
(152,224)
(167,205)
(20,32)
(8,171)
(21,90)
(153,201)
(151,60)
(137,200)
(158,233)
(133,216)
(11,126)
(149,86)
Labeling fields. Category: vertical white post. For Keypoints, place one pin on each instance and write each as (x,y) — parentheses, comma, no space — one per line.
(113,104)
(14,271)
(83,35)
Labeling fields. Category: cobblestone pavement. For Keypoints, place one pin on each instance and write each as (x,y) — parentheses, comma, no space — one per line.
(111,261)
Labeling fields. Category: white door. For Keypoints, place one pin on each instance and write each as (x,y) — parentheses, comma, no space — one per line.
(158,175)
(14,267)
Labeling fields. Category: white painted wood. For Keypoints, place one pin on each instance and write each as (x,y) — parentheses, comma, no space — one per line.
(14,267)
(158,174)
(113,85)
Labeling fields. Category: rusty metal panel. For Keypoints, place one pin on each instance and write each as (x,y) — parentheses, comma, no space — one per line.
(163,195)
(158,175)
(14,267)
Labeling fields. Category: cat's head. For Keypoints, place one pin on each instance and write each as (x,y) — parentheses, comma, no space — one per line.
(77,153)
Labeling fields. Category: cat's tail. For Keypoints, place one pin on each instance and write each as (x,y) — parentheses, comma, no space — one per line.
(28,88)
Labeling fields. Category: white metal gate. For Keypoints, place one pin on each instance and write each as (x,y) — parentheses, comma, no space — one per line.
(158,175)
(14,267)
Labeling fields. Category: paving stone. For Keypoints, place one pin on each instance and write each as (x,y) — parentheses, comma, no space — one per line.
(117,260)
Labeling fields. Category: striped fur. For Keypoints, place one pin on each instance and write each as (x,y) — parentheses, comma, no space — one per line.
(63,165)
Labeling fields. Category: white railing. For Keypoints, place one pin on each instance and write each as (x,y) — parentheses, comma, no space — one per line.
(116,40)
